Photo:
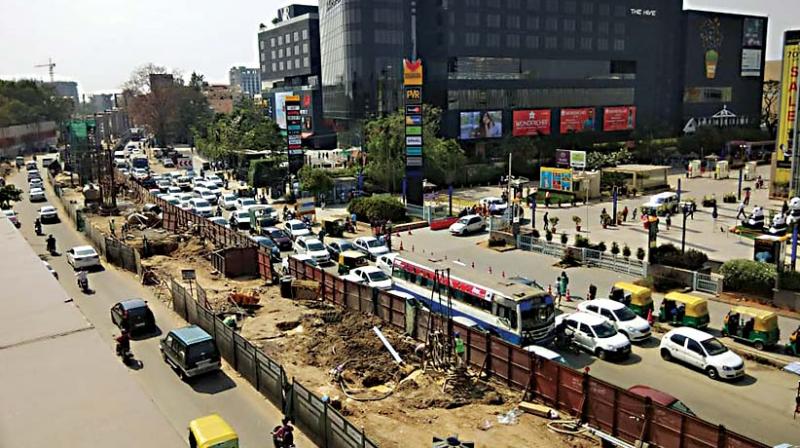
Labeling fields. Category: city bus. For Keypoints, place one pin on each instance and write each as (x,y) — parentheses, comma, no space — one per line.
(516,312)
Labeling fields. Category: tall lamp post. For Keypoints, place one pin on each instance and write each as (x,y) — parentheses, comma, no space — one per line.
(685,209)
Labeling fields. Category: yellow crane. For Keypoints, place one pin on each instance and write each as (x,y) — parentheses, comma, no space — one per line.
(50,66)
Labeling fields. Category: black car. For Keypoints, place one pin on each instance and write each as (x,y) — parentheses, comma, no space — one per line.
(335,247)
(279,237)
(133,315)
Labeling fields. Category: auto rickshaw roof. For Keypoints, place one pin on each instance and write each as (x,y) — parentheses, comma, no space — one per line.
(632,287)
(353,254)
(755,312)
(211,429)
(685,298)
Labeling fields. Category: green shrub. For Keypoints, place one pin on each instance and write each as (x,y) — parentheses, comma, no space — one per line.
(669,255)
(377,208)
(640,254)
(614,248)
(564,239)
(601,246)
(535,233)
(748,276)
(581,241)
(626,251)
(548,236)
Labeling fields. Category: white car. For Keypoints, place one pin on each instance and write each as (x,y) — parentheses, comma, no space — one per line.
(245,203)
(595,334)
(371,276)
(227,201)
(495,205)
(36,183)
(296,228)
(371,246)
(703,351)
(386,262)
(140,173)
(173,190)
(624,320)
(468,224)
(205,194)
(220,220)
(210,186)
(48,213)
(200,207)
(240,220)
(216,180)
(36,194)
(172,200)
(183,182)
(312,247)
(83,257)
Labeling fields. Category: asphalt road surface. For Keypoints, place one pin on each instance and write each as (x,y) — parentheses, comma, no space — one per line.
(224,393)
(760,406)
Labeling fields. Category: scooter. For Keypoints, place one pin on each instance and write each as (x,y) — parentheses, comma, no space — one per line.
(38,228)
(126,356)
(83,284)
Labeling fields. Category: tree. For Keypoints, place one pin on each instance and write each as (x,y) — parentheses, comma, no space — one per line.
(139,82)
(315,180)
(9,193)
(444,161)
(29,101)
(769,112)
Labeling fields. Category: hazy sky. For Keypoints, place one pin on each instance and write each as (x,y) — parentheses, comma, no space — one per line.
(98,42)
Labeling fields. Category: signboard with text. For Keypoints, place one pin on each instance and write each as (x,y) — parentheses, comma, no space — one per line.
(556,179)
(620,118)
(577,159)
(531,122)
(577,120)
(412,94)
(294,128)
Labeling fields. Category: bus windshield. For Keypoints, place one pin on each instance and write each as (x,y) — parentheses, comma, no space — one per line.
(536,317)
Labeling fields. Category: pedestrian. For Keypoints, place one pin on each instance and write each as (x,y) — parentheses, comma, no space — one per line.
(460,349)
(633,214)
(564,284)
(546,221)
(322,234)
(592,291)
(692,208)
(547,199)
(625,214)
(669,220)
(353,219)
(740,210)
(746,197)
(714,215)
(112,228)
(533,214)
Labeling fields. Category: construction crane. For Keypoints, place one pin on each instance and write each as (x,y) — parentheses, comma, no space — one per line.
(50,66)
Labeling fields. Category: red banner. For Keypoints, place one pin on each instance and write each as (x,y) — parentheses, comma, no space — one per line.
(531,122)
(620,118)
(577,120)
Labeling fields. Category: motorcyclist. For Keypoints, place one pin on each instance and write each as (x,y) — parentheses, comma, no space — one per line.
(123,343)
(51,243)
(37,225)
(83,280)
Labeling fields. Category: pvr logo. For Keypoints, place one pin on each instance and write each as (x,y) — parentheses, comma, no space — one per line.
(414,95)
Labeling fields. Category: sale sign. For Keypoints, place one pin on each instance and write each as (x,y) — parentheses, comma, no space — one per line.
(622,118)
(577,120)
(531,122)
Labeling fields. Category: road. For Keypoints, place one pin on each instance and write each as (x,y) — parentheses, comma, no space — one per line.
(759,406)
(225,393)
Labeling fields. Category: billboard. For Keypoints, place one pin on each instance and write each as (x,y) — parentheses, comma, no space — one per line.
(753,32)
(785,151)
(487,124)
(412,72)
(577,159)
(557,179)
(280,108)
(562,157)
(577,120)
(621,118)
(531,122)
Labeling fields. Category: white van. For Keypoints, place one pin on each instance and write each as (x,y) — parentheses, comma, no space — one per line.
(667,199)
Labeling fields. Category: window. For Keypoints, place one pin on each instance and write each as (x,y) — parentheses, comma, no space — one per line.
(512,22)
(569,43)
(569,25)
(289,64)
(286,38)
(512,40)
(605,10)
(472,19)
(586,26)
(264,67)
(280,52)
(607,314)
(271,41)
(513,4)
(296,36)
(305,48)
(586,43)
(619,28)
(602,27)
(492,40)
(305,61)
(305,34)
(472,39)
(288,51)
(678,339)
(493,20)
(280,65)
(296,50)
(587,8)
(532,42)
(532,23)
(261,45)
(551,24)
(551,6)
(693,346)
(550,43)
(280,40)
(619,11)
(533,4)
(297,63)
(570,7)
(619,44)
(273,54)
(591,308)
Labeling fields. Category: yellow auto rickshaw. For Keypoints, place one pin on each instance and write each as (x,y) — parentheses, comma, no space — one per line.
(752,325)
(637,298)
(684,310)
(212,431)
(350,259)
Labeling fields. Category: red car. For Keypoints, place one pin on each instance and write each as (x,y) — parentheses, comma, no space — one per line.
(662,398)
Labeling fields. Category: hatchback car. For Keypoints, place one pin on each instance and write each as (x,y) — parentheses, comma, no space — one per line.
(702,351)
(468,224)
(335,247)
(200,207)
(227,201)
(216,180)
(191,351)
(386,262)
(35,183)
(240,220)
(133,315)
(496,206)
(313,247)
(83,257)
(36,195)
(595,334)
(371,246)
(296,228)
(371,276)
(48,214)
(624,320)
(167,162)
(245,203)
(11,215)
(279,237)
(264,241)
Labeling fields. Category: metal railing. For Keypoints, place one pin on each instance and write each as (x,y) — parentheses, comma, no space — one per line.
(589,257)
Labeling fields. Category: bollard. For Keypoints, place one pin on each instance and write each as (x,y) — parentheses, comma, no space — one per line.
(473,265)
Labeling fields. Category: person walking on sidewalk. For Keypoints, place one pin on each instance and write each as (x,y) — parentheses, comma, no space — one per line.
(625,214)
(740,211)
(546,221)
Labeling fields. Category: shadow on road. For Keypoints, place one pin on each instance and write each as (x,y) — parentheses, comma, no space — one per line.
(149,335)
(747,380)
(632,359)
(212,383)
(651,342)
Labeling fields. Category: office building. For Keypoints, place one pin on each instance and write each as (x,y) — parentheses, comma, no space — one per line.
(289,54)
(101,102)
(66,89)
(545,67)
(245,81)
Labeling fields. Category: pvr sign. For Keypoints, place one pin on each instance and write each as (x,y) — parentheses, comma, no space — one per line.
(413,95)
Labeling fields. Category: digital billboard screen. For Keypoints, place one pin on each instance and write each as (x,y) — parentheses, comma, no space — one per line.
(577,120)
(531,122)
(487,124)
(280,108)
(620,118)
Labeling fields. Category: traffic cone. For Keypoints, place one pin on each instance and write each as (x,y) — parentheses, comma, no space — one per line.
(490,269)
(650,319)
(504,274)
(567,297)
(401,245)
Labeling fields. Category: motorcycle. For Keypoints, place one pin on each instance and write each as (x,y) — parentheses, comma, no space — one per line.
(37,226)
(83,284)
(126,355)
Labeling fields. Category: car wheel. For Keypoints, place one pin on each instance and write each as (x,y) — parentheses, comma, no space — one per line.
(666,355)
(712,373)
(602,354)
(759,345)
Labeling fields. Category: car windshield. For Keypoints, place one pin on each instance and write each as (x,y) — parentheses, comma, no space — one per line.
(345,246)
(202,204)
(229,197)
(243,215)
(277,234)
(374,243)
(201,351)
(298,226)
(84,252)
(604,330)
(315,246)
(624,314)
(248,202)
(714,347)
(377,276)
(464,221)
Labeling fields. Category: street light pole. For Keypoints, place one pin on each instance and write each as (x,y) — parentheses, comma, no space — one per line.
(683,231)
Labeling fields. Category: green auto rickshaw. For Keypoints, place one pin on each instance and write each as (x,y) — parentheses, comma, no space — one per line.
(681,309)
(334,227)
(351,259)
(638,298)
(753,326)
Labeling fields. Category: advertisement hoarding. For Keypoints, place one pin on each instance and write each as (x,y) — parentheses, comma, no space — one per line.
(562,157)
(556,179)
(412,72)
(280,108)
(577,120)
(531,122)
(475,125)
(620,118)
(784,141)
(577,159)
